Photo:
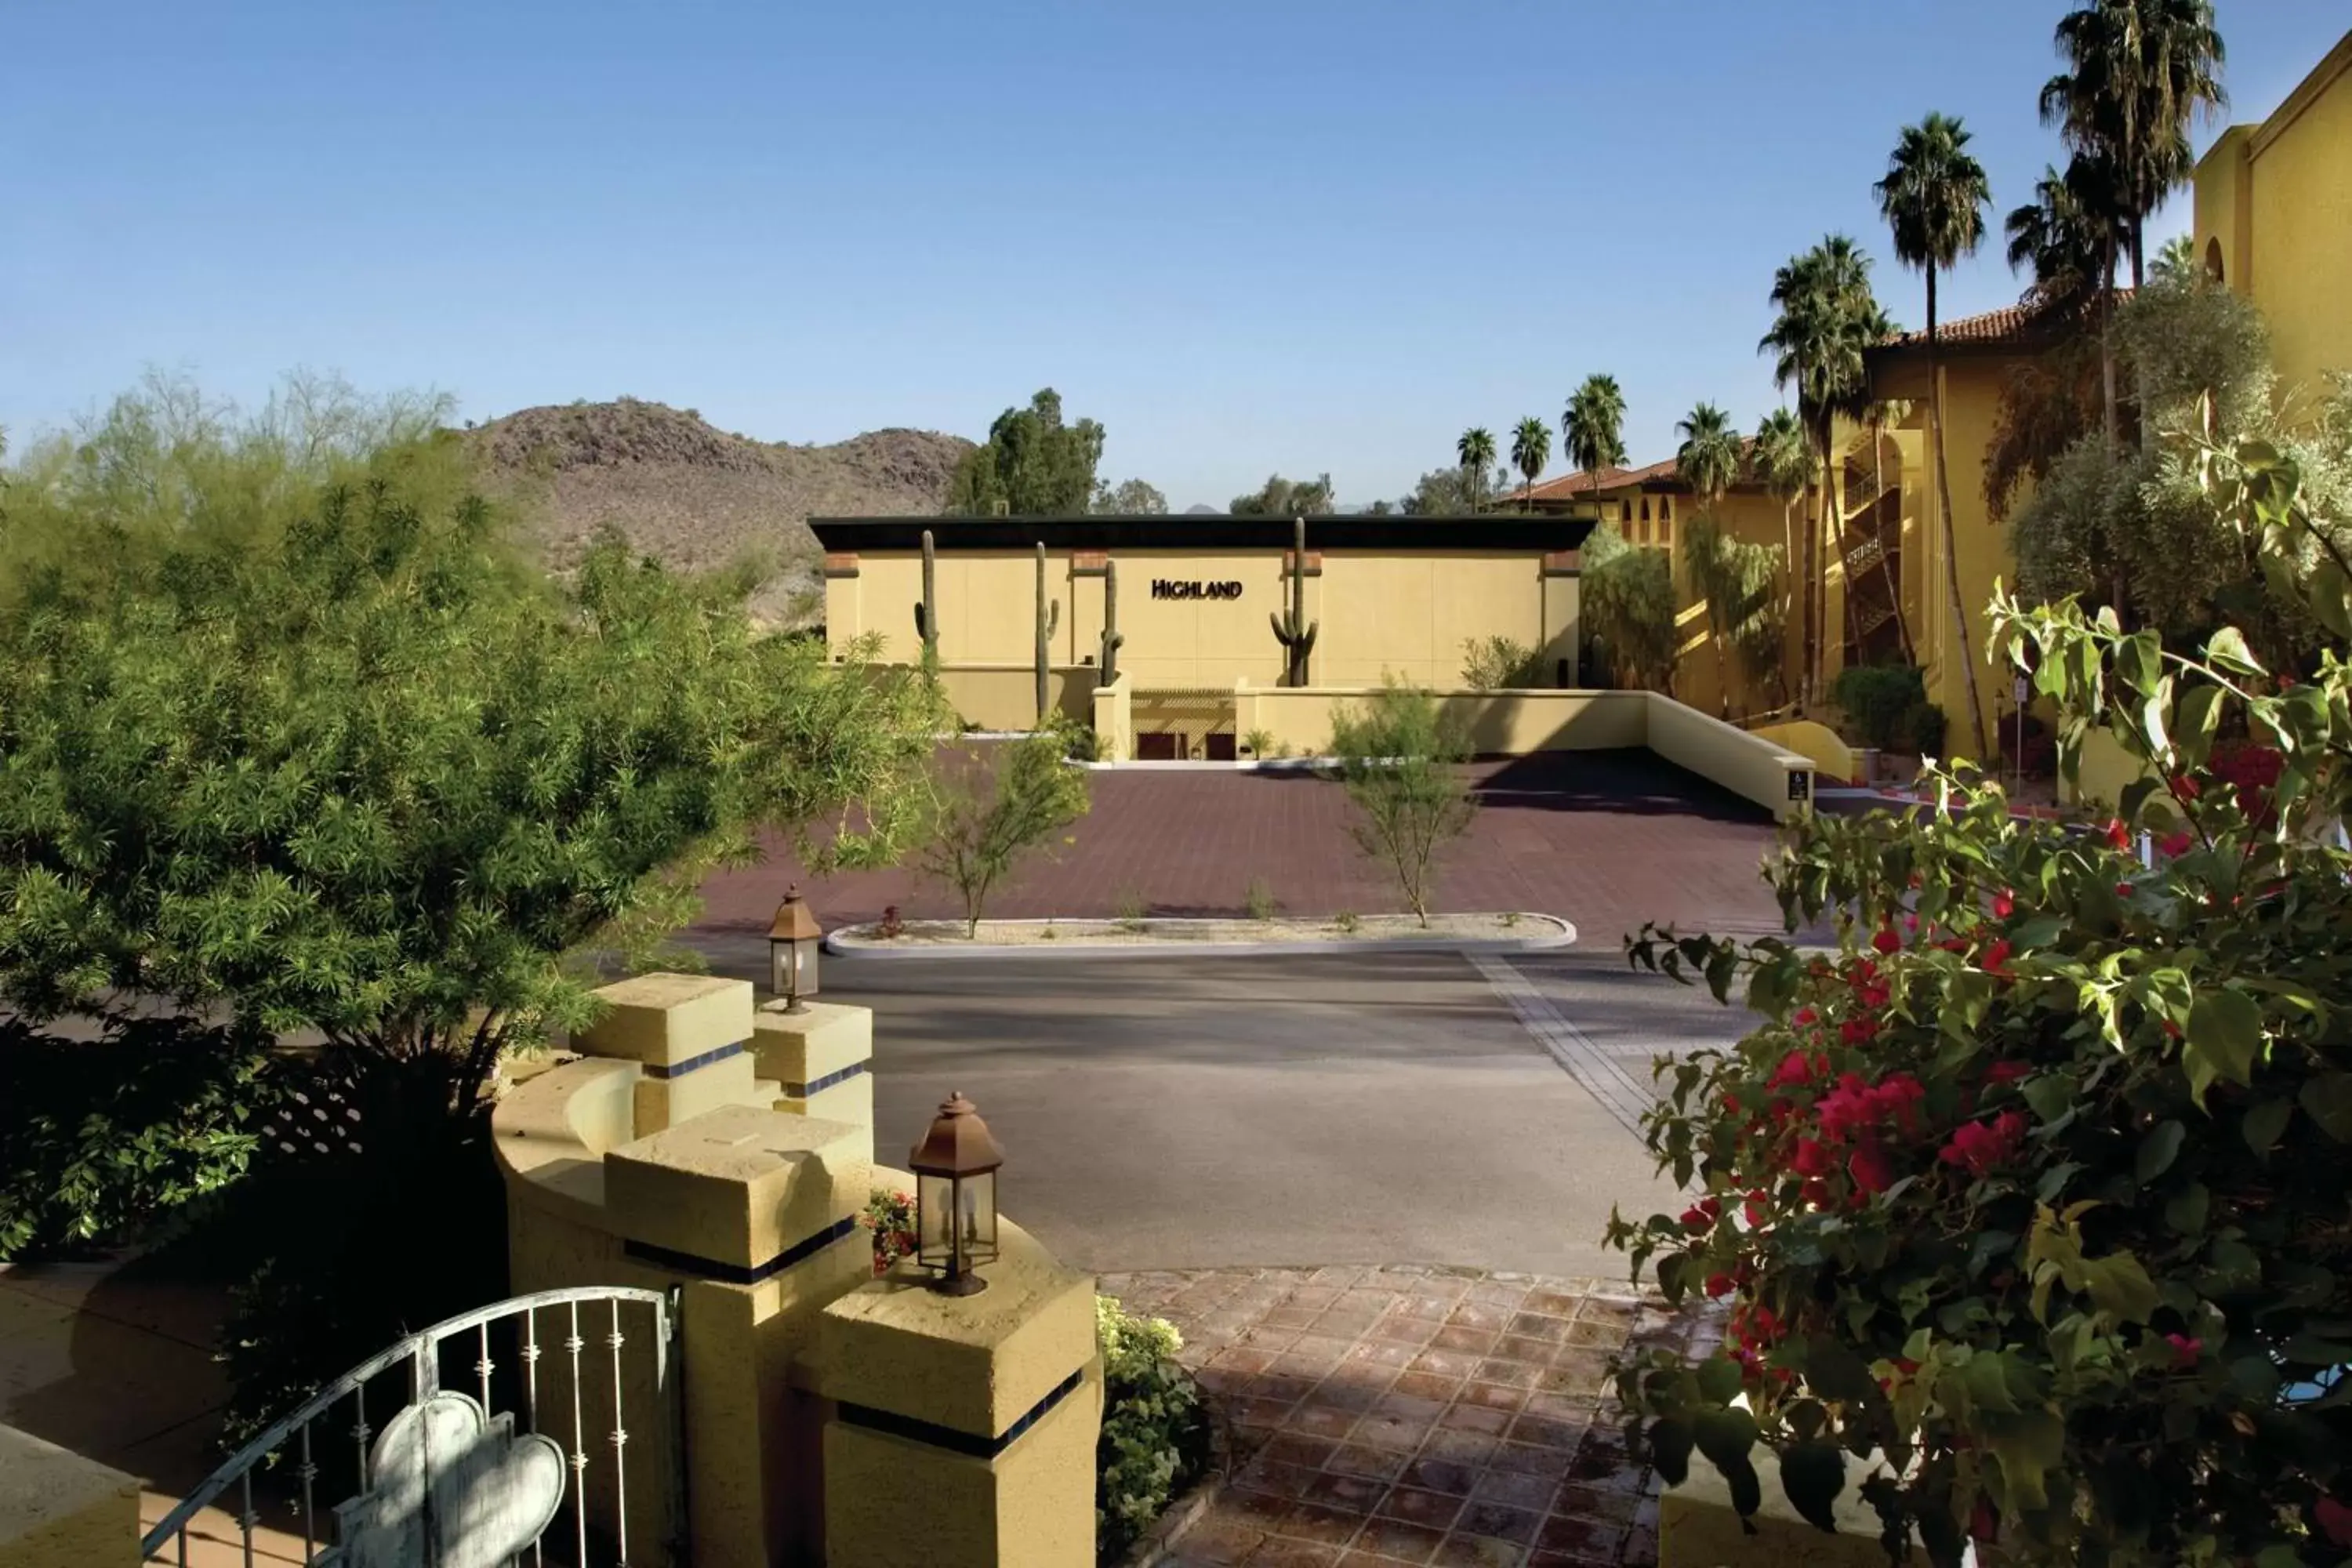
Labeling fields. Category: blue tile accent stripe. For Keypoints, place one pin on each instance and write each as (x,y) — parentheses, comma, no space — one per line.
(933,1435)
(736,1273)
(802,1091)
(679,1070)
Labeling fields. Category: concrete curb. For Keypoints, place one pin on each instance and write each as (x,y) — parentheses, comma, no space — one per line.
(1563,934)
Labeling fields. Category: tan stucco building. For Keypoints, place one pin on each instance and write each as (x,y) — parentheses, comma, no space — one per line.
(1390,596)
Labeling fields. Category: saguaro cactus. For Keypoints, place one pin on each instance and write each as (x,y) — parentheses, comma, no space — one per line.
(1049,621)
(1292,629)
(1113,639)
(927,612)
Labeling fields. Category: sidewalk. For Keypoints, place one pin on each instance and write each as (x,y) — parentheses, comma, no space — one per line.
(1412,1415)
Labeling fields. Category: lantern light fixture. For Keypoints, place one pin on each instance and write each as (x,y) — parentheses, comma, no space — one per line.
(955,1197)
(792,943)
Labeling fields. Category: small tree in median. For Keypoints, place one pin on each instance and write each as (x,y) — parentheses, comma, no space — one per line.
(987,818)
(1400,756)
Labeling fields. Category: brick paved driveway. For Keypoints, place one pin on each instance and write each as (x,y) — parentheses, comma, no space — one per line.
(1607,840)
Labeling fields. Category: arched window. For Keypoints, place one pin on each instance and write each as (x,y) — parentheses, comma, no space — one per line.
(1645,509)
(1666,508)
(2213,261)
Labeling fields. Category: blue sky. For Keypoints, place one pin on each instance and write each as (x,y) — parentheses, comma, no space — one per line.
(1281,235)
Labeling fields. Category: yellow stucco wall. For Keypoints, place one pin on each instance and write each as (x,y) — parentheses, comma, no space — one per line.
(2274,204)
(1408,612)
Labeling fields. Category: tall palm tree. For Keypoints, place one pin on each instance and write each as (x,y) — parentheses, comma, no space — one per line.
(1828,317)
(1530,450)
(1934,198)
(1782,461)
(1477,452)
(2066,239)
(1593,428)
(2137,73)
(1708,459)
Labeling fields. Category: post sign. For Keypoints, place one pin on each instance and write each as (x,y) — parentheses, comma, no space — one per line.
(1171,588)
(1799,781)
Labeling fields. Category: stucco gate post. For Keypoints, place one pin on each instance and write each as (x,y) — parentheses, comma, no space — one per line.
(727,1150)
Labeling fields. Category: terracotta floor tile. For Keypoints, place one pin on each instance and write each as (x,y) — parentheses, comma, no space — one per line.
(1513,1490)
(1338,1276)
(1472,1448)
(1501,1397)
(1576,1370)
(1219,1540)
(1290,1317)
(1499,1293)
(1548,1433)
(1349,1494)
(1641,1548)
(1242,1359)
(1559,1304)
(1536,1348)
(1429,1385)
(1598,1335)
(1576,1409)
(1381,1430)
(1314,1522)
(1248,1506)
(1396,1541)
(1356,1387)
(1466,1338)
(1474,1313)
(1275,1479)
(1566,1532)
(1379,1353)
(1395,1331)
(1540,1559)
(1554,1464)
(1415,1505)
(1317,1346)
(1504,1522)
(1259,1335)
(1281,1552)
(1400,1401)
(1511,1373)
(1463,1550)
(1363,1460)
(1464,1416)
(1284,1388)
(1603,1503)
(1448,1476)
(1320,1419)
(1429,1306)
(1456,1364)
(1294,1448)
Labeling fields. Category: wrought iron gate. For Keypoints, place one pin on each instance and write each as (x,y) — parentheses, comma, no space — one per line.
(453,1480)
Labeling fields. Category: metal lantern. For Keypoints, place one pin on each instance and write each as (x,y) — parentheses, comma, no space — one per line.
(792,952)
(955,1197)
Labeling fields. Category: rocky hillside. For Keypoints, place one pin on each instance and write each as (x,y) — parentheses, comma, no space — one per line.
(697,497)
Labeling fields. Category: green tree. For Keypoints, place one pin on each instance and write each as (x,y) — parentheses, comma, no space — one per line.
(1783,461)
(1279,497)
(1934,198)
(1032,465)
(1530,450)
(1132,498)
(991,812)
(1627,600)
(1711,455)
(2065,239)
(1592,427)
(1734,580)
(1827,318)
(1399,755)
(1475,451)
(1447,492)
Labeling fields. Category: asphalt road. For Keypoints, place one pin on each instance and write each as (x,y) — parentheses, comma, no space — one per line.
(1172,1112)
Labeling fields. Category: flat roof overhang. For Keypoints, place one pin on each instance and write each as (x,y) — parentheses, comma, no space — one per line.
(1533,534)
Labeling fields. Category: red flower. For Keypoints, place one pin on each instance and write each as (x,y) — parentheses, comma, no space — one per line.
(2118,835)
(1871,1168)
(1757,1208)
(1693,1220)
(1718,1285)
(2003,905)
(1815,1192)
(1981,1148)
(1803,1017)
(1731,1103)
(1911,924)
(2185,1349)
(1812,1158)
(1793,1072)
(1858,1031)
(2176,844)
(2007,1072)
(2183,787)
(2335,1520)
(1996,958)
(2122,890)
(1886,941)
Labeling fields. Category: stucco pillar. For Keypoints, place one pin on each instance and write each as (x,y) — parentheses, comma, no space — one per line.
(821,1061)
(59,1510)
(689,1034)
(964,1427)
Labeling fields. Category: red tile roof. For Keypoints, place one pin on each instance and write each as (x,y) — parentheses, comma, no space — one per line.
(2018,323)
(1569,486)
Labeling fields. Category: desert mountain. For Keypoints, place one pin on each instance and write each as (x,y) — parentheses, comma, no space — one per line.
(696,497)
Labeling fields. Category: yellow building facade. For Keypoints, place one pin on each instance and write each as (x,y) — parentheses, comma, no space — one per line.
(1389,596)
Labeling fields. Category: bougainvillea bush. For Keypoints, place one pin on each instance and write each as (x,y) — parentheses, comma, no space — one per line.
(2030,1204)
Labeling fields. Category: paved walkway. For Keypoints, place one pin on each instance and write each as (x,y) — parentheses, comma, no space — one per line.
(1405,1414)
(1607,840)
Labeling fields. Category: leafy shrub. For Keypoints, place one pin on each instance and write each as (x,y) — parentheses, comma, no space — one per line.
(1399,757)
(1258,899)
(1922,729)
(99,1137)
(1499,663)
(1348,922)
(891,926)
(1155,1432)
(1131,910)
(1258,742)
(1879,699)
(2038,1186)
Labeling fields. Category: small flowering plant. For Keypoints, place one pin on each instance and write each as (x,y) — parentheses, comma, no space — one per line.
(889,1218)
(2040,1186)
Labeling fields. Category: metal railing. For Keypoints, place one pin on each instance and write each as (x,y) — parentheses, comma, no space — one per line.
(422,1351)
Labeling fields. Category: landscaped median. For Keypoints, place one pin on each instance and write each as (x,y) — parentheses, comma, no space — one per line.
(1502,932)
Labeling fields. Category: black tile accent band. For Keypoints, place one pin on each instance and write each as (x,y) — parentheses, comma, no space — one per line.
(802,1091)
(679,1070)
(933,1435)
(735,1273)
(951,535)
